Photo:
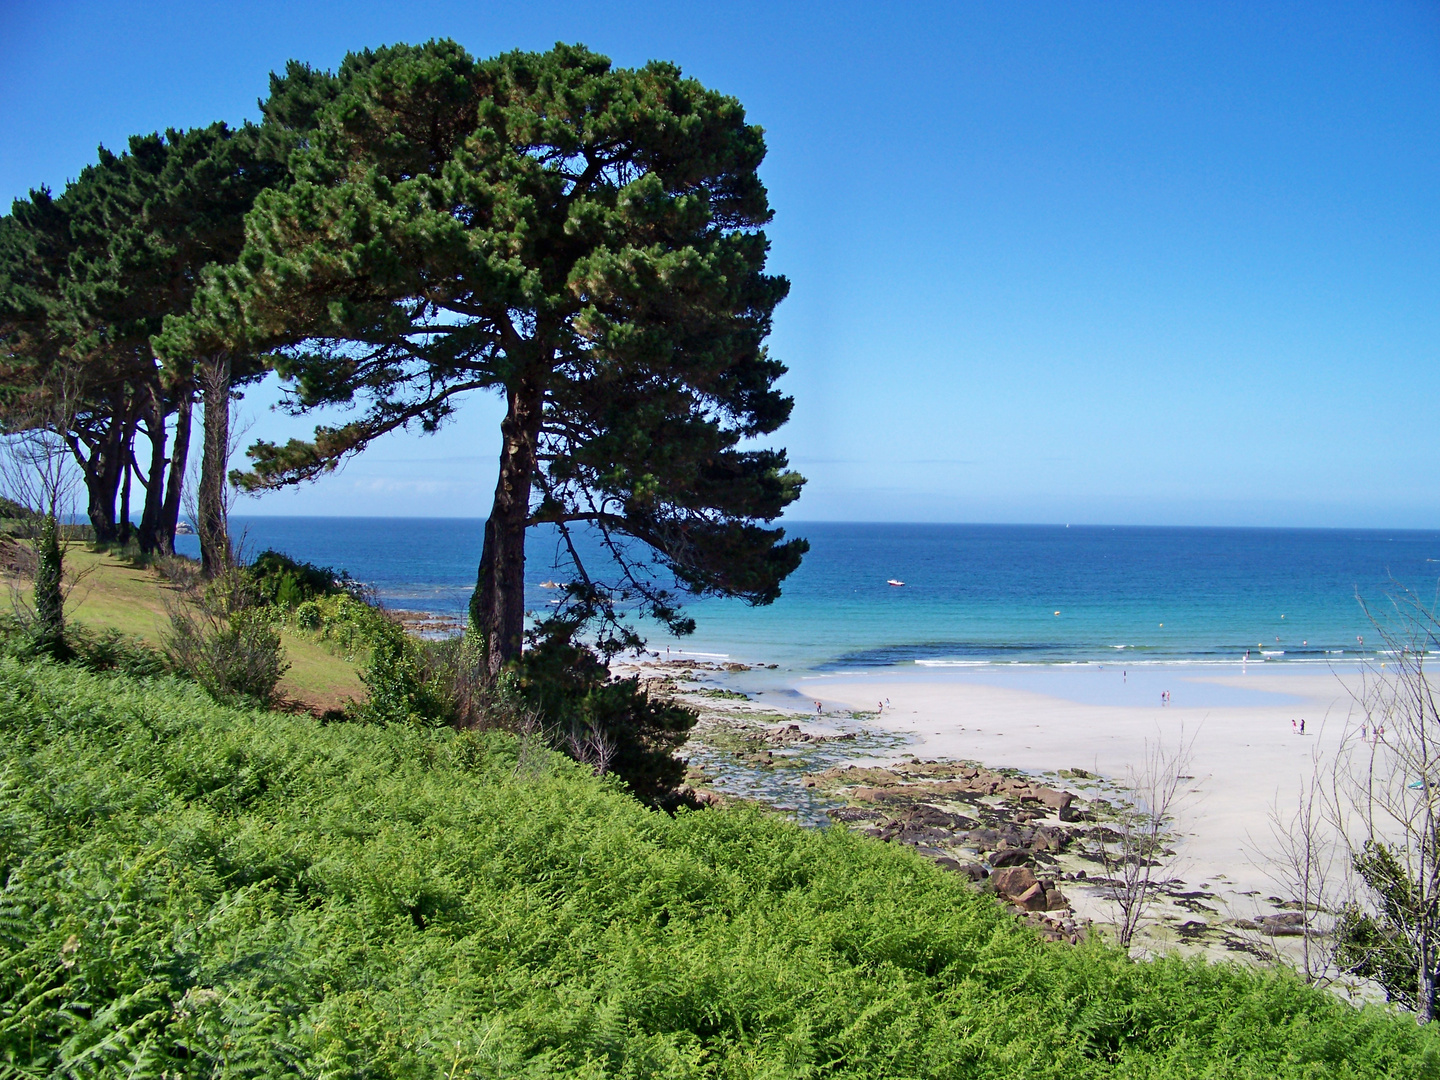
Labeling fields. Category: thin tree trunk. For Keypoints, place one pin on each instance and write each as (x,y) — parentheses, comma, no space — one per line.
(212,525)
(175,483)
(497,609)
(122,531)
(154,414)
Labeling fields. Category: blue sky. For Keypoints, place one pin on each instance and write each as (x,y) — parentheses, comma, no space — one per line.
(1103,263)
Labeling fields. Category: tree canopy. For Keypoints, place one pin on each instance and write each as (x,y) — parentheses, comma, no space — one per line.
(87,279)
(584,240)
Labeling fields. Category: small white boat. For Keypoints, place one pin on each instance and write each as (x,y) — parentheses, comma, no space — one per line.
(892,581)
(549,584)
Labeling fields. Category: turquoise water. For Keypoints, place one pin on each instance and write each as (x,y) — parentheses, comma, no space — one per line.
(973,594)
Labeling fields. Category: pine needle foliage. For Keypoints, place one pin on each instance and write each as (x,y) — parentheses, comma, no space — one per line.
(196,890)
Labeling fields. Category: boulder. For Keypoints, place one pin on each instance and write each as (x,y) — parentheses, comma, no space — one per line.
(934,817)
(1009,857)
(1013,881)
(984,839)
(973,871)
(1285,924)
(1032,899)
(1055,800)
(1047,840)
(1055,900)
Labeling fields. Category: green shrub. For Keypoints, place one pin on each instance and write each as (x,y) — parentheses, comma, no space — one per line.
(195,890)
(402,687)
(610,724)
(345,625)
(49,623)
(236,657)
(111,650)
(287,583)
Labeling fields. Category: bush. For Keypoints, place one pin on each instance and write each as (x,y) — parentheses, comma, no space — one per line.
(196,890)
(611,724)
(49,623)
(346,625)
(236,657)
(403,688)
(111,650)
(285,583)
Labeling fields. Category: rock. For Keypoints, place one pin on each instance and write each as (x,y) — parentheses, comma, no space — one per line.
(851,813)
(934,817)
(1285,924)
(1013,881)
(984,839)
(973,871)
(1047,840)
(1032,899)
(1055,900)
(1055,800)
(1009,857)
(867,794)
(1068,813)
(911,834)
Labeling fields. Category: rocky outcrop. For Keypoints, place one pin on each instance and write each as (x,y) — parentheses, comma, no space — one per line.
(999,830)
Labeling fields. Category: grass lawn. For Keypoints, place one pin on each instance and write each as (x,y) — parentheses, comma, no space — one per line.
(109,592)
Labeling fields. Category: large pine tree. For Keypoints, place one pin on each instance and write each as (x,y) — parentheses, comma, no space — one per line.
(581,239)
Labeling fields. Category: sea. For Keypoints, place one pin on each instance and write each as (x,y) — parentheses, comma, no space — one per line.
(973,596)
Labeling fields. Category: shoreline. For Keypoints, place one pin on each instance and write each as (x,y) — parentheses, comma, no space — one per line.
(1029,725)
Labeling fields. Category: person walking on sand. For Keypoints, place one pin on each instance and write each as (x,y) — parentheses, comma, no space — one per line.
(1302,725)
(817,708)
(1293,729)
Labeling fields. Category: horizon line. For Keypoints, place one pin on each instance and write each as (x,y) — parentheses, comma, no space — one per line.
(784,522)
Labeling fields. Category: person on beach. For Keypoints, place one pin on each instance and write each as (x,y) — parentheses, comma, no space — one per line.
(817,708)
(1293,729)
(1302,725)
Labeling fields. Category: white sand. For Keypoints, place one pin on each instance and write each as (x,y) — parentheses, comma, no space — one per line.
(1245,755)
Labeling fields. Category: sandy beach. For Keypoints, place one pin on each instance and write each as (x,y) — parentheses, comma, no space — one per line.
(1246,753)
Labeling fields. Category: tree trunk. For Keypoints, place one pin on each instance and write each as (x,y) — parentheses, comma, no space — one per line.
(155,477)
(175,483)
(212,526)
(122,531)
(102,484)
(1425,983)
(497,609)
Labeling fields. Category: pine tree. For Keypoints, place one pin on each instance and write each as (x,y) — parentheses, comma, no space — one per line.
(585,241)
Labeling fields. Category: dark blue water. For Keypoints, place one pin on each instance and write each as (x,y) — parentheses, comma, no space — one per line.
(973,594)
